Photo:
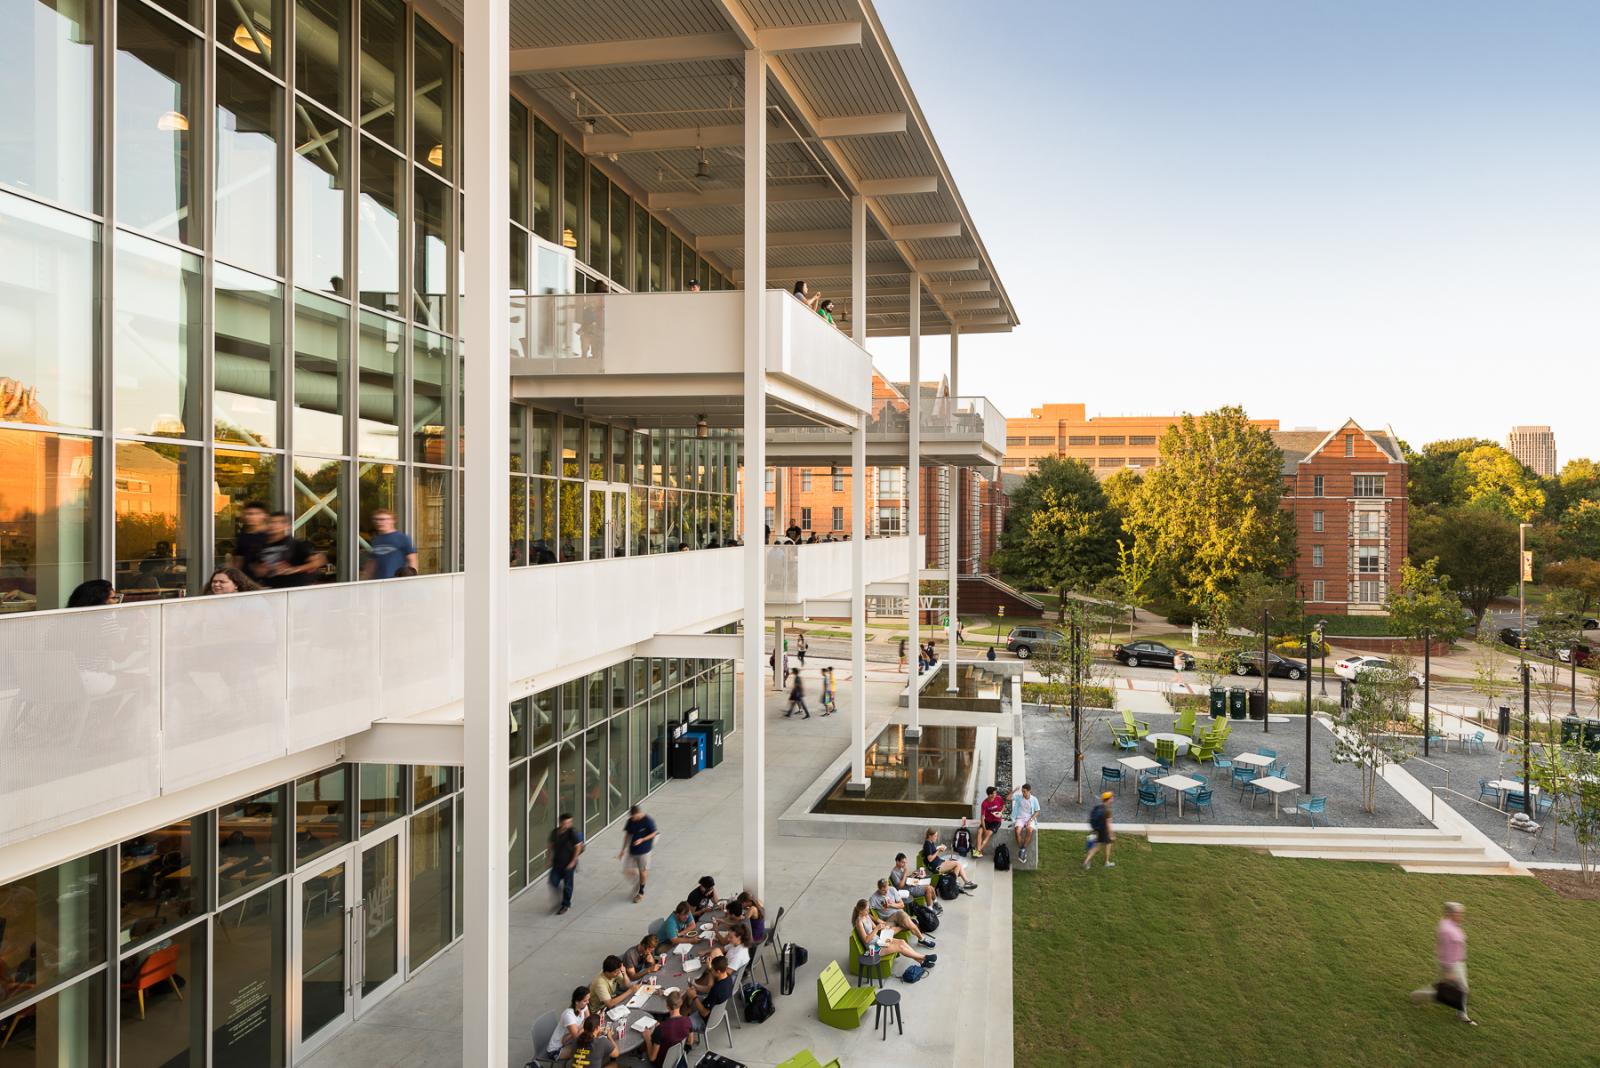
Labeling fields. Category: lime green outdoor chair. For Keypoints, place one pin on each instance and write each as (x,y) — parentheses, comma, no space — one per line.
(1185,721)
(1202,751)
(804,1059)
(1138,726)
(883,969)
(838,1003)
(1166,753)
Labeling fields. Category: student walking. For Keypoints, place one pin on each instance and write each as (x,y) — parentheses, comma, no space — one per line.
(1450,947)
(800,647)
(828,705)
(566,845)
(389,550)
(1100,832)
(797,698)
(638,838)
(903,643)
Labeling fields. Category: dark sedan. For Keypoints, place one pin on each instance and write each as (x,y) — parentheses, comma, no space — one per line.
(1153,654)
(1279,667)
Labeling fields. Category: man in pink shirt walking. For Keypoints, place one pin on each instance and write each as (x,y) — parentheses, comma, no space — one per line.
(1451,947)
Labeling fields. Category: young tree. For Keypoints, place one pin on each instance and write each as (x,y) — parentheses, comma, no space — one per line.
(1581,576)
(1134,569)
(1210,511)
(1365,733)
(1476,549)
(1489,674)
(1059,533)
(1581,811)
(1259,595)
(1422,603)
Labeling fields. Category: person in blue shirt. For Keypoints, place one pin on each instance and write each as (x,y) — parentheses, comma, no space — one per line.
(389,549)
(638,838)
(680,927)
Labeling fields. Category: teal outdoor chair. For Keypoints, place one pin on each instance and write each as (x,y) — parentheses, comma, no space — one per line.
(1313,807)
(1152,798)
(1111,775)
(1200,798)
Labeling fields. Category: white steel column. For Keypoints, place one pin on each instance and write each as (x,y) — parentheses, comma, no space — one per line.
(755,461)
(858,508)
(957,476)
(486,333)
(913,523)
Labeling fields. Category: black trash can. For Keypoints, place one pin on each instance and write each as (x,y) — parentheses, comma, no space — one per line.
(1219,702)
(1258,704)
(1503,723)
(1236,703)
(1591,735)
(1571,730)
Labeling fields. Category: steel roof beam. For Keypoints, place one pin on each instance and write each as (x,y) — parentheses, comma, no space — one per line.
(689,48)
(732,136)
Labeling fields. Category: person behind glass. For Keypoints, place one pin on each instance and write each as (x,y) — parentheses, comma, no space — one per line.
(802,293)
(230,580)
(285,561)
(389,549)
(570,1026)
(694,285)
(675,1028)
(249,535)
(797,698)
(566,845)
(590,324)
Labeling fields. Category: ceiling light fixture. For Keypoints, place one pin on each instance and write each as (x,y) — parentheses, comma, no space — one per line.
(172,121)
(436,156)
(244,39)
(702,429)
(702,173)
(568,238)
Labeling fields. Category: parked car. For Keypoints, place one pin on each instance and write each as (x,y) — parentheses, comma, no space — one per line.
(1513,637)
(1357,665)
(1249,663)
(1350,666)
(1582,650)
(1025,641)
(1154,654)
(1591,624)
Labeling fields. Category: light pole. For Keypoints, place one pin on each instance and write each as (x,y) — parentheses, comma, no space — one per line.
(1524,573)
(1309,634)
(1266,675)
(1322,646)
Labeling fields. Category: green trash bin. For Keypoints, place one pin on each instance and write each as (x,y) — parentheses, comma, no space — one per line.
(1238,703)
(1219,702)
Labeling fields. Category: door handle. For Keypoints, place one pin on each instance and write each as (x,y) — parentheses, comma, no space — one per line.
(351,943)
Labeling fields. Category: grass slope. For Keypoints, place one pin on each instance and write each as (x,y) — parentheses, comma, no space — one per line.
(1190,955)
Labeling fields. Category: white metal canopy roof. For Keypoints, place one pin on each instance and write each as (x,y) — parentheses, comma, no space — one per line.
(655,87)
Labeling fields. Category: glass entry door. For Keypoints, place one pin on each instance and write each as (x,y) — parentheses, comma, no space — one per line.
(608,520)
(376,923)
(321,972)
(619,520)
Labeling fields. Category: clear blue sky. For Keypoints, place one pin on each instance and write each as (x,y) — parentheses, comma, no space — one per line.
(1372,208)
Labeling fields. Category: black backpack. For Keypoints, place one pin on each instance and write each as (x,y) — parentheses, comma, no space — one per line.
(927,919)
(961,841)
(757,1003)
(1002,858)
(794,958)
(949,889)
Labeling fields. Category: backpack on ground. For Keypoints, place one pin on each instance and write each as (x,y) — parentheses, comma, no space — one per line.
(717,1060)
(1002,858)
(961,841)
(949,889)
(794,958)
(927,919)
(757,1003)
(913,974)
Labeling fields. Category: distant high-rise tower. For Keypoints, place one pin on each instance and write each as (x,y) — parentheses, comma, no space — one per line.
(1535,446)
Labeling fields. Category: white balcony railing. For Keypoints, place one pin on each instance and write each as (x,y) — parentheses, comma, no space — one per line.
(948,424)
(106,707)
(797,573)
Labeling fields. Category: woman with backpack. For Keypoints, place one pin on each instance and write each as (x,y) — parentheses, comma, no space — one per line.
(797,698)
(875,934)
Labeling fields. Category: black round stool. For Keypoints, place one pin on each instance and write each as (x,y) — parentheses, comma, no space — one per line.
(888,1006)
(867,967)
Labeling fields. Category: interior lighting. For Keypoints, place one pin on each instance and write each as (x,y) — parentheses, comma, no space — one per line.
(436,156)
(171,121)
(568,238)
(245,40)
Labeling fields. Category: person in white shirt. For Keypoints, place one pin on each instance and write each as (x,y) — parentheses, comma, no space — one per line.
(735,950)
(1024,819)
(889,905)
(570,1025)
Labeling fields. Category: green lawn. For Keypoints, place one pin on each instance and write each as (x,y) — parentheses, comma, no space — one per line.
(1213,955)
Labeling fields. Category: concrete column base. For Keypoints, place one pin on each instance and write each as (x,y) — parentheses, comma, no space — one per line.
(913,732)
(858,789)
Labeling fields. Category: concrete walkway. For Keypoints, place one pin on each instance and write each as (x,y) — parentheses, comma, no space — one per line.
(953,1017)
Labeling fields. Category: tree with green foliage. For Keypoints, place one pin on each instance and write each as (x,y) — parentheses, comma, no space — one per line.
(1476,549)
(1581,576)
(1578,532)
(1259,595)
(1432,475)
(1059,534)
(1120,488)
(1494,479)
(1134,570)
(1365,733)
(1210,512)
(1422,603)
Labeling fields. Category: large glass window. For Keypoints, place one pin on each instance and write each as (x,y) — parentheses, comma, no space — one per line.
(250,843)
(383,64)
(546,155)
(541,809)
(431,248)
(378,424)
(158,172)
(594,777)
(322,33)
(318,508)
(377,485)
(162,879)
(49,522)
(378,242)
(238,477)
(66,1028)
(433,109)
(159,339)
(432,850)
(49,297)
(248,107)
(599,198)
(571,197)
(658,256)
(429,782)
(249,978)
(620,263)
(53,927)
(541,725)
(250,29)
(430,502)
(249,358)
(321,177)
(48,120)
(430,394)
(155,502)
(321,813)
(517,847)
(321,366)
(382,798)
(641,251)
(160,1025)
(569,779)
(519,162)
(617,769)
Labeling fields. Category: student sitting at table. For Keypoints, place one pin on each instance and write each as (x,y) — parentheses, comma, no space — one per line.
(591,1048)
(707,993)
(641,960)
(732,946)
(680,927)
(570,1026)
(669,1032)
(746,909)
(703,898)
(935,860)
(611,987)
(872,933)
(900,878)
(888,905)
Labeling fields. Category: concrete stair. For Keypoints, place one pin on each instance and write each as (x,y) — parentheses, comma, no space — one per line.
(1413,849)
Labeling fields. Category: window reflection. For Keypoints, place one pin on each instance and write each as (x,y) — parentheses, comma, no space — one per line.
(52,927)
(322,814)
(163,1001)
(317,515)
(156,488)
(378,425)
(517,849)
(378,247)
(431,248)
(541,809)
(249,30)
(433,109)
(429,782)
(321,366)
(321,177)
(159,340)
(158,80)
(246,201)
(432,850)
(430,377)
(249,358)
(250,964)
(71,1019)
(381,800)
(430,498)
(161,879)
(250,843)
(383,59)
(49,524)
(47,138)
(238,477)
(321,31)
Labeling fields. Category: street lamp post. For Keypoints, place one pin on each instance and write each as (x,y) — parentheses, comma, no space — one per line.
(1322,646)
(1309,634)
(1523,574)
(1266,675)
(1427,692)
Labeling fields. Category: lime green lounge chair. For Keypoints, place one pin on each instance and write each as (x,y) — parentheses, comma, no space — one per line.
(1185,722)
(838,1003)
(1138,726)
(884,969)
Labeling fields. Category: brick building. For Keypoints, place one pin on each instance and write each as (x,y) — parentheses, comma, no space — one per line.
(1106,443)
(1346,489)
